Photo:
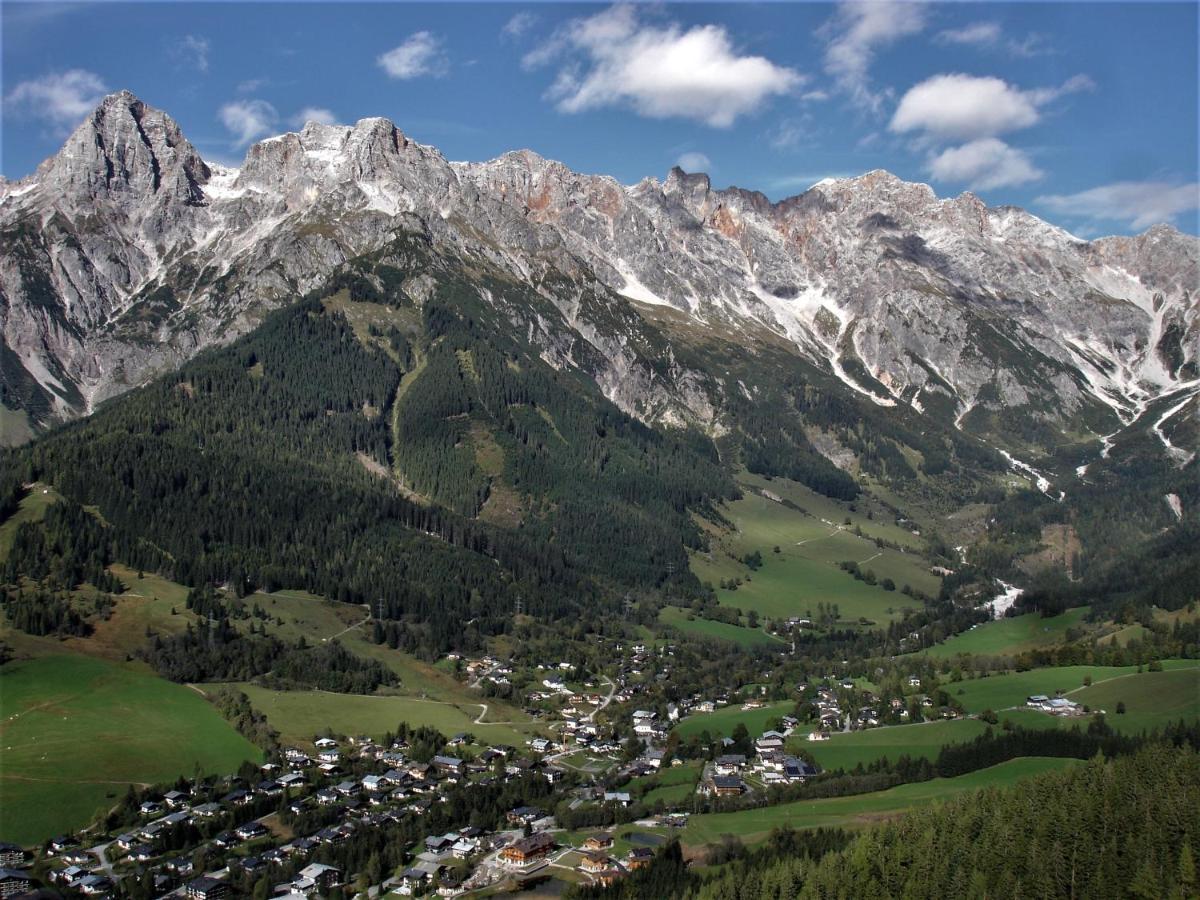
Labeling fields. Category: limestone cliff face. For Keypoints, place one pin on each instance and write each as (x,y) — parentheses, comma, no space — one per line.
(126,253)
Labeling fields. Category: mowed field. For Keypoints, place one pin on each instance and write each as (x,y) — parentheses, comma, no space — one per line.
(723,721)
(299,716)
(707,628)
(75,731)
(805,572)
(1010,636)
(999,692)
(922,740)
(755,825)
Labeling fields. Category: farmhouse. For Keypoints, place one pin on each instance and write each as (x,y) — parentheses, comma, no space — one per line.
(594,862)
(724,786)
(601,841)
(729,764)
(528,851)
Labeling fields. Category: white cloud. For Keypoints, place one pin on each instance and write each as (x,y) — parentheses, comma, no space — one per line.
(660,72)
(518,25)
(793,133)
(318,114)
(977,34)
(694,162)
(60,98)
(964,107)
(250,85)
(1138,203)
(248,120)
(193,50)
(984,164)
(421,54)
(853,35)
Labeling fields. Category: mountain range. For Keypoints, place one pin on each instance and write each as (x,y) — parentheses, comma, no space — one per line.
(126,254)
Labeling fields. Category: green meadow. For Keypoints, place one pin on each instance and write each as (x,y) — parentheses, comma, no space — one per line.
(707,628)
(301,715)
(724,720)
(922,740)
(755,825)
(999,692)
(812,541)
(75,731)
(1010,636)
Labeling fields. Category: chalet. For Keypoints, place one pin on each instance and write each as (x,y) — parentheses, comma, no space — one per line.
(13,882)
(540,745)
(601,841)
(639,857)
(798,769)
(524,815)
(595,862)
(206,888)
(150,808)
(127,840)
(317,877)
(77,857)
(237,798)
(60,843)
(654,757)
(326,797)
(142,852)
(269,788)
(705,706)
(609,877)
(440,843)
(725,786)
(94,885)
(413,881)
(1036,700)
(252,864)
(69,875)
(769,741)
(528,851)
(729,764)
(325,743)
(176,799)
(619,797)
(448,765)
(464,847)
(349,789)
(419,770)
(251,831)
(914,681)
(329,757)
(291,780)
(11,855)
(818,736)
(207,811)
(225,840)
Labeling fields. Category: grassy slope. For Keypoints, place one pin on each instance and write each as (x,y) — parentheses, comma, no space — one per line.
(299,715)
(724,720)
(744,637)
(755,825)
(1003,691)
(76,730)
(805,572)
(922,740)
(1010,636)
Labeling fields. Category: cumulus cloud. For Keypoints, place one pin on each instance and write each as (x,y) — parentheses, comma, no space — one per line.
(318,114)
(614,59)
(61,98)
(1137,203)
(984,164)
(248,120)
(193,51)
(852,37)
(421,54)
(965,107)
(518,25)
(694,161)
(977,34)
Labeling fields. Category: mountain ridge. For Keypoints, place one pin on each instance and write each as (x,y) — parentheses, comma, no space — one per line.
(126,253)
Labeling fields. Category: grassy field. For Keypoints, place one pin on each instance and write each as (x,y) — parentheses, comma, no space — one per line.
(299,715)
(33,509)
(1152,699)
(1010,636)
(75,731)
(755,825)
(1003,691)
(672,785)
(812,542)
(724,720)
(737,634)
(920,741)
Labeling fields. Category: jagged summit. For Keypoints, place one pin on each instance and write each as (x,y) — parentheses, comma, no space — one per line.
(125,253)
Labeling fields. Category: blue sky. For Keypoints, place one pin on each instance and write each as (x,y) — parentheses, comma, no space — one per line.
(1084,113)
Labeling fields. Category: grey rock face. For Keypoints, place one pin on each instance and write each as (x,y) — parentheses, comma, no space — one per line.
(126,253)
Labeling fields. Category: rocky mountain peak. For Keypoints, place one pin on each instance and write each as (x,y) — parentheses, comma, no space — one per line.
(127,152)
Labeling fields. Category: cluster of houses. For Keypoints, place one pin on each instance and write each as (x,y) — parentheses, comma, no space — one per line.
(397,787)
(771,764)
